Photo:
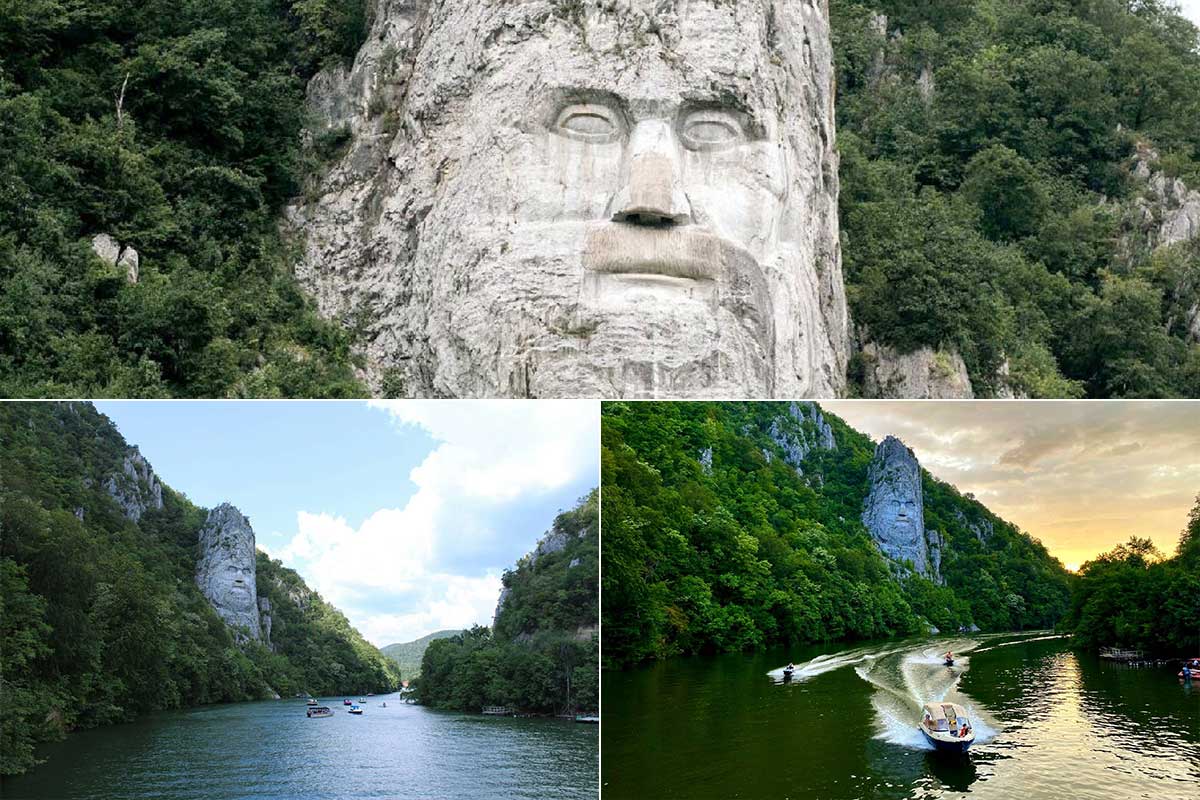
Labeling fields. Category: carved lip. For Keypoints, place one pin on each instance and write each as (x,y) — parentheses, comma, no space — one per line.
(674,252)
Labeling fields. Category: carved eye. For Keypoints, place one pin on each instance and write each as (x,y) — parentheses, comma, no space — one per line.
(711,130)
(589,123)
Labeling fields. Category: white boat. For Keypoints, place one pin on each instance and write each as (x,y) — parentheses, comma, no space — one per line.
(947,726)
(356,709)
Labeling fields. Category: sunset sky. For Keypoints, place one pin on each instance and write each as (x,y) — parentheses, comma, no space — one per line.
(1080,476)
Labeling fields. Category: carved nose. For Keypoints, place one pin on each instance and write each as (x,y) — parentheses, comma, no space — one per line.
(652,194)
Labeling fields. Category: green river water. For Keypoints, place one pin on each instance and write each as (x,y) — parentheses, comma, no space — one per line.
(272,750)
(1051,723)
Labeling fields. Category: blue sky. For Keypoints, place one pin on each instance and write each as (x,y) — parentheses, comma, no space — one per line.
(403,515)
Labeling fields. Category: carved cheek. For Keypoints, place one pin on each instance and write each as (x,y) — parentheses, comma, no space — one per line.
(559,179)
(738,193)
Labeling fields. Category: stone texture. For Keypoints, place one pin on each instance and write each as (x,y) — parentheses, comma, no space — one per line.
(504,593)
(981,527)
(801,431)
(226,570)
(135,488)
(924,374)
(124,258)
(706,460)
(1168,212)
(265,619)
(894,511)
(597,198)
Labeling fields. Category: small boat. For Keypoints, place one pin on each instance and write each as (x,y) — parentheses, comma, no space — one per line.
(319,711)
(370,694)
(788,672)
(590,719)
(312,702)
(383,704)
(949,662)
(347,702)
(947,727)
(362,700)
(355,709)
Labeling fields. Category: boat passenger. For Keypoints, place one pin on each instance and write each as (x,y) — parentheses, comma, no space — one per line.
(963,732)
(1187,673)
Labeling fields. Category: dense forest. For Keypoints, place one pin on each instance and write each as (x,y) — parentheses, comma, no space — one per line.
(100,616)
(989,200)
(715,541)
(1133,597)
(173,126)
(542,657)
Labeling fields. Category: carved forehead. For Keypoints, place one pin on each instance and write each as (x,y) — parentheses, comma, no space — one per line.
(749,50)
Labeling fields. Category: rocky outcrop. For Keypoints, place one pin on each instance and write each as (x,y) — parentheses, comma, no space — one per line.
(1168,212)
(135,488)
(226,570)
(265,620)
(894,511)
(706,460)
(504,595)
(803,430)
(125,259)
(527,200)
(981,527)
(924,374)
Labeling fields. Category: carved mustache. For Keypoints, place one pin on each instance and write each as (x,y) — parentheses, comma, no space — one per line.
(677,252)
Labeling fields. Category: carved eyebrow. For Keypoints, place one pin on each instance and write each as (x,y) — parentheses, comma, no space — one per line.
(559,96)
(751,123)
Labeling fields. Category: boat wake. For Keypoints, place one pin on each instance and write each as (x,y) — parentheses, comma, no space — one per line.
(903,679)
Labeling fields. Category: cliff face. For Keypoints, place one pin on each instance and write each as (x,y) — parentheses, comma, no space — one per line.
(583,198)
(225,571)
(135,488)
(894,510)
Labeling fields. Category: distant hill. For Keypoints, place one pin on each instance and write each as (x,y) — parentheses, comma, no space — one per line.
(408,654)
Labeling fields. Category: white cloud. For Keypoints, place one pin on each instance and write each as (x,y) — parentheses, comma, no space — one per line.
(488,455)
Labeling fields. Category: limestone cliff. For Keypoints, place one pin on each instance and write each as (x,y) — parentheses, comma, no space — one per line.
(796,439)
(225,570)
(135,487)
(596,198)
(894,511)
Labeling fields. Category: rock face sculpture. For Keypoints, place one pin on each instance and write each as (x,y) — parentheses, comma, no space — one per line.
(894,511)
(608,198)
(225,571)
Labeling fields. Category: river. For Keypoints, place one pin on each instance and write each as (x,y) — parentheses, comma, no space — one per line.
(272,750)
(1050,723)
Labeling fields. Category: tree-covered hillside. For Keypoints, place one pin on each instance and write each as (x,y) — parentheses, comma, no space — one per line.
(989,197)
(408,655)
(714,541)
(1134,597)
(101,617)
(173,126)
(990,202)
(543,656)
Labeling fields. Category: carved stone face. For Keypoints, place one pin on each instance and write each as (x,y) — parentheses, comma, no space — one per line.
(233,582)
(905,512)
(638,200)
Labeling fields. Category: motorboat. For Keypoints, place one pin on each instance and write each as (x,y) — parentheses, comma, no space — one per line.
(788,671)
(312,701)
(947,726)
(362,700)
(356,709)
(590,719)
(319,711)
(347,702)
(949,662)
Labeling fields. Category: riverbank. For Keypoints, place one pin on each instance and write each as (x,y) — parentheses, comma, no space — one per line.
(272,750)
(1052,722)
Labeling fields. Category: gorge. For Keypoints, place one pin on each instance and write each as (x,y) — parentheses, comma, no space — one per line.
(738,526)
(121,597)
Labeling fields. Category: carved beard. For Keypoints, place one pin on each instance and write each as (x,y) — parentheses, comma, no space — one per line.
(546,315)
